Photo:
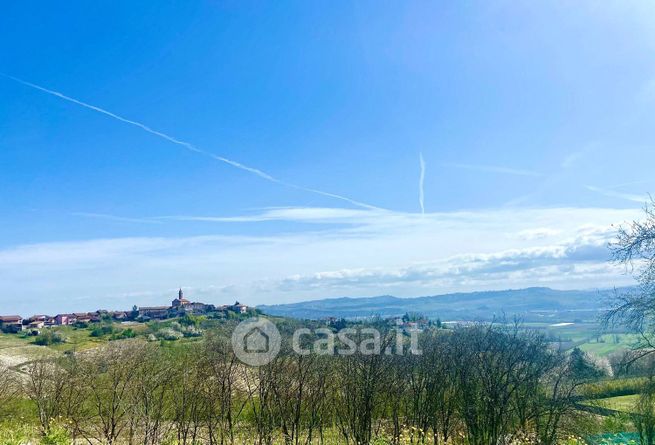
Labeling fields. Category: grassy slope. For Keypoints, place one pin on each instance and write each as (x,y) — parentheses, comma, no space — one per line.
(16,351)
(620,403)
(609,343)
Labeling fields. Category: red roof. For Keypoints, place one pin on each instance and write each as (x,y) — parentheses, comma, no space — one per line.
(10,318)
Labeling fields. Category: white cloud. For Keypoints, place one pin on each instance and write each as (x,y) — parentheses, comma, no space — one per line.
(587,252)
(362,252)
(538,233)
(316,215)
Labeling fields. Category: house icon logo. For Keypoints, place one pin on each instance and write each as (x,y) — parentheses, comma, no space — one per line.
(256,341)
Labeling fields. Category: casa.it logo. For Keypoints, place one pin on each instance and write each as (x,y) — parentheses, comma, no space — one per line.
(256,341)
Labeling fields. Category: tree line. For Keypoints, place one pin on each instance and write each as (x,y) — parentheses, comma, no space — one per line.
(482,385)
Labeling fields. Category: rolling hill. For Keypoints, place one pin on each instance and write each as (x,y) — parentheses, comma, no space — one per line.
(531,304)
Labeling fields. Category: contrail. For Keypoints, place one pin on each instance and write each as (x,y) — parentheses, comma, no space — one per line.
(614,194)
(188,145)
(494,169)
(116,218)
(421,181)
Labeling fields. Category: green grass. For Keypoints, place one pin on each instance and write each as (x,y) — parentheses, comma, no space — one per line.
(10,341)
(624,404)
(575,332)
(587,336)
(75,339)
(609,343)
(604,389)
(80,339)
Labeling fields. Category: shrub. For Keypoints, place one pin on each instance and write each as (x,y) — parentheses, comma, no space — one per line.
(189,320)
(169,334)
(48,337)
(128,333)
(176,326)
(103,330)
(381,440)
(612,388)
(122,335)
(617,423)
(218,315)
(192,331)
(56,436)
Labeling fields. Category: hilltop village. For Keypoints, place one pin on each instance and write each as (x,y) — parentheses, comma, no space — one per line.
(179,307)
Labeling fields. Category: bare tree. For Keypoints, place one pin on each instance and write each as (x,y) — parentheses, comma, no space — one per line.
(320,385)
(634,247)
(558,394)
(491,366)
(9,388)
(362,379)
(221,391)
(644,417)
(298,395)
(151,396)
(108,376)
(261,383)
(52,386)
(442,385)
(189,409)
(405,393)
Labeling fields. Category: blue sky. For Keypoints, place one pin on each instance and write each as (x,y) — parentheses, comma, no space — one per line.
(535,122)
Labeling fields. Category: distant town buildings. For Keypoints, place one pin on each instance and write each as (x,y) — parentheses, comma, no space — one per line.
(11,323)
(238,308)
(154,311)
(180,301)
(179,307)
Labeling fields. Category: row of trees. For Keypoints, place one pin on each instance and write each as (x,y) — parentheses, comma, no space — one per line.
(484,384)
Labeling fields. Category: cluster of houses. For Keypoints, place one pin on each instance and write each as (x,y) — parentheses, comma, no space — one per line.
(179,306)
(411,324)
(406,323)
(15,323)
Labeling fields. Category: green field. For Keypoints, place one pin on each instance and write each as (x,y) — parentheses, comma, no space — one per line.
(74,339)
(19,348)
(609,343)
(624,404)
(587,336)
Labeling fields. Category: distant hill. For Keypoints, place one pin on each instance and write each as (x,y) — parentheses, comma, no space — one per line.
(532,304)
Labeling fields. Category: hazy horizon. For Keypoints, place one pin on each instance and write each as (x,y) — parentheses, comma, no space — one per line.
(165,299)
